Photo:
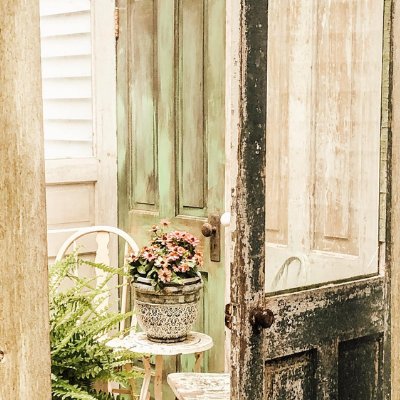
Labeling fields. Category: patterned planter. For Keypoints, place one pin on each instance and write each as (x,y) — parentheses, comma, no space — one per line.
(167,316)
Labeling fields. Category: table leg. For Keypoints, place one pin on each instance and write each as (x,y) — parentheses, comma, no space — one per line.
(158,378)
(128,368)
(197,365)
(146,381)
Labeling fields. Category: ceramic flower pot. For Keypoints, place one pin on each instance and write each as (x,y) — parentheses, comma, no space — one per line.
(168,315)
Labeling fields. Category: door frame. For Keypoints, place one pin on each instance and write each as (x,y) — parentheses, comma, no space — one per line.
(394,199)
(247,36)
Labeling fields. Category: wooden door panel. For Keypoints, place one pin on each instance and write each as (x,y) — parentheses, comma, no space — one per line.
(359,366)
(291,378)
(192,137)
(143,80)
(326,341)
(323,142)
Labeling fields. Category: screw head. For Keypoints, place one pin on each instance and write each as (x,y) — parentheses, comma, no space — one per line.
(1,355)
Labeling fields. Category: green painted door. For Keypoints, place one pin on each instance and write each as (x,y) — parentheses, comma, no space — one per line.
(171,122)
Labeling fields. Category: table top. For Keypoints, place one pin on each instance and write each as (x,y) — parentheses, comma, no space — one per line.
(196,342)
(200,386)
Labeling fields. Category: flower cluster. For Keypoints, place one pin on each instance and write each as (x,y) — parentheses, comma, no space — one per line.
(168,258)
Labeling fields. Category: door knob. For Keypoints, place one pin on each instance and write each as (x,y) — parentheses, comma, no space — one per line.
(212,230)
(261,319)
(207,229)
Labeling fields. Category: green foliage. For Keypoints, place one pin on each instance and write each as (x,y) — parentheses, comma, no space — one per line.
(78,324)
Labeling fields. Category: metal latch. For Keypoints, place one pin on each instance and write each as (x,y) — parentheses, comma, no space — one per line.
(212,229)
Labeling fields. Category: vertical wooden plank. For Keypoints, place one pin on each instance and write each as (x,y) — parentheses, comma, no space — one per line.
(334,121)
(104,118)
(277,163)
(143,75)
(24,312)
(392,198)
(249,203)
(192,135)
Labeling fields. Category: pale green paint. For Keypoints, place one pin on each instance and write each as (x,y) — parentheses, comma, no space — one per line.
(189,163)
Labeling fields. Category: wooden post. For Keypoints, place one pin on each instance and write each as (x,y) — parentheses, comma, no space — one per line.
(395,206)
(24,314)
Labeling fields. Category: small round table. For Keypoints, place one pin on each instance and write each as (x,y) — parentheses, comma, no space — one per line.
(196,343)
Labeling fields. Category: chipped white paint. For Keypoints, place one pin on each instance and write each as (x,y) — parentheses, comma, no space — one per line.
(323,141)
(200,386)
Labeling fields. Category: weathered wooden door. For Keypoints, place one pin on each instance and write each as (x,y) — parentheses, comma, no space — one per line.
(171,121)
(311,254)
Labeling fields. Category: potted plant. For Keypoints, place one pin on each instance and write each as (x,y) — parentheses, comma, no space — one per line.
(167,284)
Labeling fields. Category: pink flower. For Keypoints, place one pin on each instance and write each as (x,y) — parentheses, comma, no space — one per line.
(193,240)
(198,259)
(181,250)
(164,274)
(132,258)
(173,256)
(154,228)
(175,268)
(149,256)
(165,222)
(161,262)
(183,267)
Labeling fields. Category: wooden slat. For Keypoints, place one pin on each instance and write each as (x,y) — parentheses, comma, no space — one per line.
(70,171)
(68,109)
(65,24)
(66,45)
(67,88)
(67,149)
(54,7)
(64,67)
(64,130)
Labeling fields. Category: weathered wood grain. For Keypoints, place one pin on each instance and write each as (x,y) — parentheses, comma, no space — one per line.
(323,337)
(393,231)
(187,386)
(24,312)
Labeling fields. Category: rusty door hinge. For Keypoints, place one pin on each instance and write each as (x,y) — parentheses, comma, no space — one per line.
(228,316)
(116,22)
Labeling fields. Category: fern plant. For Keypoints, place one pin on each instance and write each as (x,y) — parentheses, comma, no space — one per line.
(78,322)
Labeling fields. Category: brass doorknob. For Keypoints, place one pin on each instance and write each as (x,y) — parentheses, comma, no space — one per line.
(261,319)
(207,229)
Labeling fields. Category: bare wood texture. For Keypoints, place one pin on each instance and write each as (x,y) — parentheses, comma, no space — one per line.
(24,314)
(395,206)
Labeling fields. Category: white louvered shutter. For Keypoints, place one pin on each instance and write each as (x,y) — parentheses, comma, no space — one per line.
(67,78)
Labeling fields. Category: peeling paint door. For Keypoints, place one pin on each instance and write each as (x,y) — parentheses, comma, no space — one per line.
(171,120)
(309,277)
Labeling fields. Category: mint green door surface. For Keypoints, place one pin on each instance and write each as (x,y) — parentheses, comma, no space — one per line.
(171,122)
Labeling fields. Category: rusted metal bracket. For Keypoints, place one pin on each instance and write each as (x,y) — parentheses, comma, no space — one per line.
(228,315)
(116,22)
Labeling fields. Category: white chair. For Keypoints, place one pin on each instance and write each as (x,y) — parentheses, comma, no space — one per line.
(103,257)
